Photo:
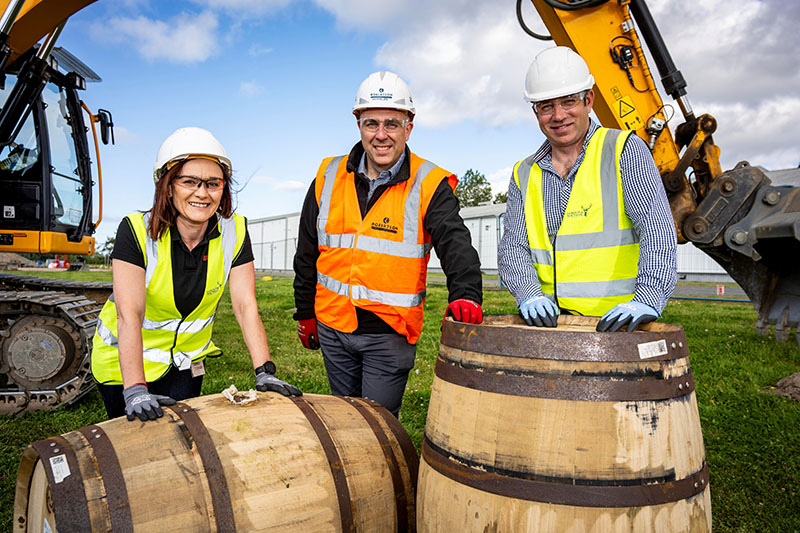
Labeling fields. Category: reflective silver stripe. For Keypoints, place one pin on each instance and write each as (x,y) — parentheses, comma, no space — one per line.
(227,229)
(401,249)
(596,289)
(323,238)
(524,175)
(541,257)
(188,326)
(608,181)
(151,253)
(334,285)
(584,241)
(389,298)
(109,339)
(183,360)
(336,241)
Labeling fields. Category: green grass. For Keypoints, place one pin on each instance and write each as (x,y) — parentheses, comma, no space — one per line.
(752,438)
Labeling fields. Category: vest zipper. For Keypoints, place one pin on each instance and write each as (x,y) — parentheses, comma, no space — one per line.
(175,343)
(555,279)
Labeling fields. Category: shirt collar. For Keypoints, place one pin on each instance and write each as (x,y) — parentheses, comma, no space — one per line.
(384,175)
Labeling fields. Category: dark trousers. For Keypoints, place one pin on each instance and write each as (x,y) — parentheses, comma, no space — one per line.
(177,384)
(373,366)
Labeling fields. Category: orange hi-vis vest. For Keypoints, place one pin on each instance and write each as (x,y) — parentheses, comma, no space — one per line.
(378,263)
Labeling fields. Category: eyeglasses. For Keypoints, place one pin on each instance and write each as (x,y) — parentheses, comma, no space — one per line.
(390,125)
(194,183)
(548,107)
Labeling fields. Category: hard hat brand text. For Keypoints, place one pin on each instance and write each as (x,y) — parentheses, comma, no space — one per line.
(381,95)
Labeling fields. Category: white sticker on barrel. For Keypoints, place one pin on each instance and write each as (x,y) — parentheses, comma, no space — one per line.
(652,349)
(60,468)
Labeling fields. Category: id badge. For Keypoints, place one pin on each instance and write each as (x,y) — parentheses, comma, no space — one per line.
(198,369)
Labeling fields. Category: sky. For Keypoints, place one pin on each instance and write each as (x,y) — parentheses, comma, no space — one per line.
(275,80)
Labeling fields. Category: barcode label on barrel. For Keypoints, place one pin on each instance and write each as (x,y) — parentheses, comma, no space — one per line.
(60,468)
(652,349)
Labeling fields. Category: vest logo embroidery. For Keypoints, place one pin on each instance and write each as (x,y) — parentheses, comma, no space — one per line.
(214,290)
(384,226)
(579,213)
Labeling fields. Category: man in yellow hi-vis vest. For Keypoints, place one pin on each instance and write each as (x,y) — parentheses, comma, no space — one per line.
(587,229)
(369,221)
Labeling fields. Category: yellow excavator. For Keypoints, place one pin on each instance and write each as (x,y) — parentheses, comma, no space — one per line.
(46,196)
(747,218)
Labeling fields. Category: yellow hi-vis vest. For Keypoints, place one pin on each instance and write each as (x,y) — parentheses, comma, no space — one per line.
(592,264)
(168,338)
(378,263)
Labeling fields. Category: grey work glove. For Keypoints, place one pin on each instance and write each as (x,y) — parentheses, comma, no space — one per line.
(629,314)
(142,404)
(539,311)
(266,381)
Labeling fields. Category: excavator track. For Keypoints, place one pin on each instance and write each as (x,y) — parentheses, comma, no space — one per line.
(45,341)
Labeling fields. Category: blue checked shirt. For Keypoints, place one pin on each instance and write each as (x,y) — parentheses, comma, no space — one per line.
(645,204)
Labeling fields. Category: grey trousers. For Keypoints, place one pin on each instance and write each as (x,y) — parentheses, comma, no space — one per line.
(373,366)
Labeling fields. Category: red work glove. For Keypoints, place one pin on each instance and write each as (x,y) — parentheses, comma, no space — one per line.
(307,331)
(465,310)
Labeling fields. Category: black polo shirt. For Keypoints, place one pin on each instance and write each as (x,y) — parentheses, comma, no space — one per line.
(189,267)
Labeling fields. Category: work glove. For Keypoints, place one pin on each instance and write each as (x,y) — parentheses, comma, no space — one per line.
(633,313)
(539,311)
(142,404)
(307,331)
(464,310)
(266,381)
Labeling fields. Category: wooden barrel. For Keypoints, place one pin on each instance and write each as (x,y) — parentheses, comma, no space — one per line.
(562,429)
(314,463)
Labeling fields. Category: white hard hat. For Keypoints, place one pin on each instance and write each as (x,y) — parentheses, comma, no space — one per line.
(384,89)
(189,143)
(556,72)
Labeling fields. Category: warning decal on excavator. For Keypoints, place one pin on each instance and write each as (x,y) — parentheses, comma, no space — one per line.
(628,114)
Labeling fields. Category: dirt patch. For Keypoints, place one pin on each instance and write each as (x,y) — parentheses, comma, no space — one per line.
(788,386)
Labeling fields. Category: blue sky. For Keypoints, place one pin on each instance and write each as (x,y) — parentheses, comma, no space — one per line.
(274,80)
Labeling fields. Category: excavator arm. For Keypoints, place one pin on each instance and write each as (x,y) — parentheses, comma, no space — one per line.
(747,219)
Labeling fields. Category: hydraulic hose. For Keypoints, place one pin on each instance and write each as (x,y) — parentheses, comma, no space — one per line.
(574,5)
(525,27)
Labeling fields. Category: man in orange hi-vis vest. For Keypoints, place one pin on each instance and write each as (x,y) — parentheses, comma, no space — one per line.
(369,221)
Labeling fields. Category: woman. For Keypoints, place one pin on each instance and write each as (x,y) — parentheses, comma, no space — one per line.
(170,265)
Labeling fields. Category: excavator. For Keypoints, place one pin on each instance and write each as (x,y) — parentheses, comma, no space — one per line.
(747,218)
(46,195)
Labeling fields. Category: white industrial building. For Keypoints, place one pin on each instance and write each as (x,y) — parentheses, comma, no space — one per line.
(275,238)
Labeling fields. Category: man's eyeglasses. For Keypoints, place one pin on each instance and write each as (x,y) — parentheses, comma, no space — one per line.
(390,125)
(194,183)
(548,107)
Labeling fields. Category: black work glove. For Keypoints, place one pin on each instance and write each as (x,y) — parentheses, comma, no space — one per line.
(266,381)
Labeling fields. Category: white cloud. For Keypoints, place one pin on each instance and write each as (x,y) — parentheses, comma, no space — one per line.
(246,7)
(185,38)
(467,60)
(250,88)
(499,179)
(259,50)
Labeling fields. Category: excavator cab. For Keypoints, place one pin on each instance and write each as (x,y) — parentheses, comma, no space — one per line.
(46,182)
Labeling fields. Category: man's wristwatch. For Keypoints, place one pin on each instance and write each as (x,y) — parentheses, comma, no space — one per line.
(268,367)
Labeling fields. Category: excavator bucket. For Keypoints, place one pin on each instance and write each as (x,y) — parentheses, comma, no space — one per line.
(749,223)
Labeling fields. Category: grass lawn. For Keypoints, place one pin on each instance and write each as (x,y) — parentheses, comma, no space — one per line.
(752,438)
